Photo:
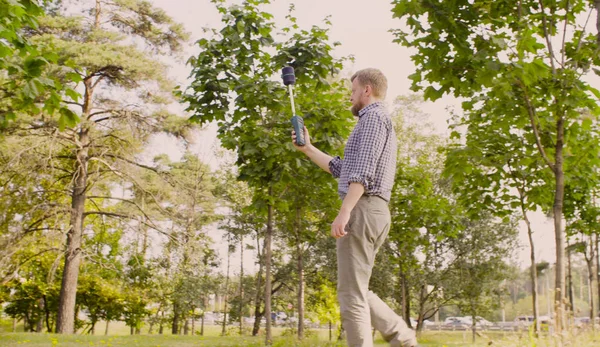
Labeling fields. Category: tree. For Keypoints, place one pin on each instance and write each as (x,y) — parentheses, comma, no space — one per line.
(324,305)
(487,177)
(425,217)
(485,245)
(233,85)
(103,145)
(500,57)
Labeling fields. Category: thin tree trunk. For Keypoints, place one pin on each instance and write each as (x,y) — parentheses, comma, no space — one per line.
(40,322)
(558,231)
(162,320)
(473,325)
(106,328)
(300,303)
(591,278)
(14,325)
(533,269)
(570,279)
(404,304)
(598,270)
(268,237)
(202,326)
(47,314)
(241,284)
(330,331)
(193,323)
(225,297)
(175,324)
(186,327)
(258,300)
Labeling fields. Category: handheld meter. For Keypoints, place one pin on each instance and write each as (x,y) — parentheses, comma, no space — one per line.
(289,79)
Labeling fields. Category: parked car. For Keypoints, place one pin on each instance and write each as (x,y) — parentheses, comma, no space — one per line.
(457,322)
(524,320)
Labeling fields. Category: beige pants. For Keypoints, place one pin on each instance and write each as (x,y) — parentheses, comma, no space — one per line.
(360,308)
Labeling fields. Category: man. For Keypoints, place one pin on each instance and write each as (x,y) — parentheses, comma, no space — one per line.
(366,176)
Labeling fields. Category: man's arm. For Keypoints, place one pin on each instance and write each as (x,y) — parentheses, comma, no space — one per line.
(355,191)
(318,157)
(315,155)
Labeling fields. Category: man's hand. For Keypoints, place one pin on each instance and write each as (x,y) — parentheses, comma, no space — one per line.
(339,224)
(307,144)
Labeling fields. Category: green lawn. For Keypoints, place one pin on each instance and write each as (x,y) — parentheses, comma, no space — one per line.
(318,338)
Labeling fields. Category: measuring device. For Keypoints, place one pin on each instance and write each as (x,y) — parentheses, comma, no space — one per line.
(289,79)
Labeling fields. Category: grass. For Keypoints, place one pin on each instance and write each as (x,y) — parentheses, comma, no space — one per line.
(318,338)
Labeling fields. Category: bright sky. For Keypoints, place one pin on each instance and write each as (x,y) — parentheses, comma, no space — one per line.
(362,28)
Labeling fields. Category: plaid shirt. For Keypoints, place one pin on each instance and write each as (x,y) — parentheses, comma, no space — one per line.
(370,154)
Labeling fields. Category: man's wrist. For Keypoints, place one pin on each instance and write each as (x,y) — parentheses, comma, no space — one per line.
(345,209)
(309,149)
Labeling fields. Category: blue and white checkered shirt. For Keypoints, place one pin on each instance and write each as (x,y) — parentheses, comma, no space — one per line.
(370,154)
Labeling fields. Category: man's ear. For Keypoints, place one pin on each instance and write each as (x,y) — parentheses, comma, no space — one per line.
(368,90)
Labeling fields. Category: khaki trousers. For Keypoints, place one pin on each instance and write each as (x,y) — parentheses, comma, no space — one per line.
(360,308)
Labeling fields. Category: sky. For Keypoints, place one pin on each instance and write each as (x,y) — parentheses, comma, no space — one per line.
(362,28)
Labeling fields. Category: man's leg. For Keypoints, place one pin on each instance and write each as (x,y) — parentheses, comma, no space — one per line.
(355,252)
(391,326)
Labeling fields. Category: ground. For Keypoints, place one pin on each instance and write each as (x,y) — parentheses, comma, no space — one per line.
(318,338)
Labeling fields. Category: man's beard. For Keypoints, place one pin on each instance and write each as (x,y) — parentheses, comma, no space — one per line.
(356,108)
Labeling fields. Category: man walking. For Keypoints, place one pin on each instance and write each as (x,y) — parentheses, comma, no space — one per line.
(366,177)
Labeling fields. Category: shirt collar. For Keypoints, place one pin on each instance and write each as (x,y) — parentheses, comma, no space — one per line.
(370,107)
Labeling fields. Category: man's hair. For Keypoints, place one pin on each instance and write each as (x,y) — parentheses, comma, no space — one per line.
(373,78)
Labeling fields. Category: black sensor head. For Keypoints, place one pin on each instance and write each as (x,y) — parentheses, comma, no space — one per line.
(288,75)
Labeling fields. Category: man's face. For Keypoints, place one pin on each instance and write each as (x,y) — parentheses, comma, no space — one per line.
(358,93)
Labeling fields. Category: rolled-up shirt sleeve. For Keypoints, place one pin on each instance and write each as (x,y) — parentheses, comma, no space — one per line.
(335,167)
(371,137)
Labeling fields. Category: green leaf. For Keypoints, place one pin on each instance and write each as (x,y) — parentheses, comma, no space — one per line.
(67,118)
(71,93)
(34,66)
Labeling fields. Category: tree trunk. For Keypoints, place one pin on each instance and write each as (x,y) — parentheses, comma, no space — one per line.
(598,270)
(47,314)
(175,325)
(106,328)
(241,285)
(225,297)
(404,302)
(40,322)
(533,269)
(65,323)
(186,327)
(300,275)
(570,280)
(162,320)
(330,331)
(257,301)
(558,231)
(473,326)
(268,236)
(193,324)
(202,326)
(591,277)
(66,309)
(14,325)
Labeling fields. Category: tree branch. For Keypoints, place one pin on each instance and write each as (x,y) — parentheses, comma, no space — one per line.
(564,39)
(547,36)
(532,116)
(124,200)
(100,112)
